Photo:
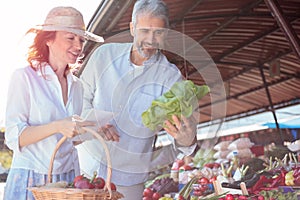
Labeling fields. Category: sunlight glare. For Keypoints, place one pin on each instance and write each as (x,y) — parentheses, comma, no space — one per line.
(16,18)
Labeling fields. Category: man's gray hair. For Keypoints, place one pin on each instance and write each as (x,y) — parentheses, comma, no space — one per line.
(156,8)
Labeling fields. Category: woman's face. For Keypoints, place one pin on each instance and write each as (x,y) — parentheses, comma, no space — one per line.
(65,48)
(149,34)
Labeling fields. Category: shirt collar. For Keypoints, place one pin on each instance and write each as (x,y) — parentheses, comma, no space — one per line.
(45,69)
(48,72)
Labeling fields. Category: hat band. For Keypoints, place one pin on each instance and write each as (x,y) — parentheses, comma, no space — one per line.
(65,21)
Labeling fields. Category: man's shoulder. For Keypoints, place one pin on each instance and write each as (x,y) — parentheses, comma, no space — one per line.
(166,62)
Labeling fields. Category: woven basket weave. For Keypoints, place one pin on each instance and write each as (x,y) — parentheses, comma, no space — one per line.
(52,193)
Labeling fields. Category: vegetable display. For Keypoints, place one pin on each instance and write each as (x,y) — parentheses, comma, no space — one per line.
(181,99)
(159,187)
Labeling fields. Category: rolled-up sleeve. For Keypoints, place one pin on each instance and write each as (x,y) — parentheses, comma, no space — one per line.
(89,77)
(17,109)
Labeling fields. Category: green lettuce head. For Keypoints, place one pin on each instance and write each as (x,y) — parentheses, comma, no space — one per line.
(181,99)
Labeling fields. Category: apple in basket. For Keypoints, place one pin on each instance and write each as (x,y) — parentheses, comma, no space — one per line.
(99,183)
(113,186)
(77,178)
(84,184)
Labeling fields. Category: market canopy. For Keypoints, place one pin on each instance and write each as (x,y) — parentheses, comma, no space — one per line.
(253,43)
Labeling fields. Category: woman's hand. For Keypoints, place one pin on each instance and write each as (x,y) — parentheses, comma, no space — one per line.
(109,133)
(72,126)
(69,127)
(184,132)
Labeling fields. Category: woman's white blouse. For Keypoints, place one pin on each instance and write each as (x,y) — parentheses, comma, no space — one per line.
(36,99)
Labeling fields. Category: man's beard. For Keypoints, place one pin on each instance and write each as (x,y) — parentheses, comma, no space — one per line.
(147,52)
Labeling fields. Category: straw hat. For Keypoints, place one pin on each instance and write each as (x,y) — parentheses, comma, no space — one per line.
(67,19)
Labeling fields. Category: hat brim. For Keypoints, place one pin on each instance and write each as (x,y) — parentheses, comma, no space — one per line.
(87,35)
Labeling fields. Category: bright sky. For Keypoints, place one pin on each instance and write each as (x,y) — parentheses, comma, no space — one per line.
(16,17)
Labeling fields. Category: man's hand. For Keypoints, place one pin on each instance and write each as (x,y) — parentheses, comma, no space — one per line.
(184,132)
(109,132)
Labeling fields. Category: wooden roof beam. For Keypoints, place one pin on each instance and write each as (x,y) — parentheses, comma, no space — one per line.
(185,11)
(285,26)
(226,23)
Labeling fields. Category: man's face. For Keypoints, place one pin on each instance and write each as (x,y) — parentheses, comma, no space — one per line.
(149,34)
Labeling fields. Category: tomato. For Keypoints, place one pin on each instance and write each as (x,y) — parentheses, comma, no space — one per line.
(260,197)
(203,181)
(229,197)
(203,187)
(156,196)
(99,183)
(242,197)
(147,192)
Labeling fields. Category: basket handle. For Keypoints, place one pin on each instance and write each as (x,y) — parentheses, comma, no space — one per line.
(100,138)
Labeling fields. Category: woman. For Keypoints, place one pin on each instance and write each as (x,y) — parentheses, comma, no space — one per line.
(43,99)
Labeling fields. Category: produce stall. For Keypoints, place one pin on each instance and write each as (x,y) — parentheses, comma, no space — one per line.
(231,170)
(257,59)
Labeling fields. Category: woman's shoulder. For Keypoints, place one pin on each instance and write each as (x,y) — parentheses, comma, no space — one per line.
(21,71)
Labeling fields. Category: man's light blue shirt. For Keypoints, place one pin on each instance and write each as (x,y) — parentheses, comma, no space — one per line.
(113,83)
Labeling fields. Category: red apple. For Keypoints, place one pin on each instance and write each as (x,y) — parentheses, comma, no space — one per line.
(84,184)
(77,178)
(113,186)
(99,183)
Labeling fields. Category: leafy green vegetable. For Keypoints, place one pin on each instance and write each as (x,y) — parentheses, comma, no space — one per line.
(181,99)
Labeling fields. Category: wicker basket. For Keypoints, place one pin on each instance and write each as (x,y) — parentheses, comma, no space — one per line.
(53,193)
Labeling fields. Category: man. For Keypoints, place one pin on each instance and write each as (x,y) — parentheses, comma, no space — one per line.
(124,78)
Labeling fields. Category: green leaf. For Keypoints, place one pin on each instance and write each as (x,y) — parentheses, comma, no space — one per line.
(181,99)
